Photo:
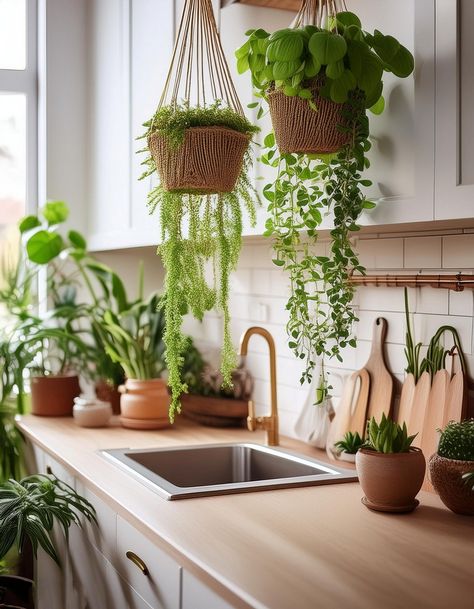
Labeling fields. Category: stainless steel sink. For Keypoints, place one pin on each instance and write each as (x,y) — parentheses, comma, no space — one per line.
(218,469)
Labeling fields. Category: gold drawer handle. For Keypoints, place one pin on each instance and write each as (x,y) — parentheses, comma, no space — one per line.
(138,562)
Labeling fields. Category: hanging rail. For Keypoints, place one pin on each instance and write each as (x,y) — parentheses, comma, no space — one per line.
(456,282)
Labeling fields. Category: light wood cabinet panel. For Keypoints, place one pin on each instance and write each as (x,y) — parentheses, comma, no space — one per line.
(454,183)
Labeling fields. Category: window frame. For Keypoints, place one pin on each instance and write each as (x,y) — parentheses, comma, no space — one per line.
(26,82)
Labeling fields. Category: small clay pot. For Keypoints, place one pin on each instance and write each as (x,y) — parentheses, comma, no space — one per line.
(144,404)
(53,396)
(390,481)
(446,477)
(107,392)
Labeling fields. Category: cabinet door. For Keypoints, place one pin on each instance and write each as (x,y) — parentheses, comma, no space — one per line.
(198,596)
(149,570)
(454,116)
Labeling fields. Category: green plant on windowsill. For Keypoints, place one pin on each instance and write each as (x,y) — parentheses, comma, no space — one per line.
(350,443)
(387,436)
(30,508)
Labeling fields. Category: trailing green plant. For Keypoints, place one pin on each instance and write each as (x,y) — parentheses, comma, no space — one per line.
(307,189)
(350,443)
(339,51)
(468,478)
(387,436)
(457,441)
(197,230)
(30,508)
(173,120)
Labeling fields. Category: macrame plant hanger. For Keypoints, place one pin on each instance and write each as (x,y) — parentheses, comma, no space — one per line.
(299,128)
(211,158)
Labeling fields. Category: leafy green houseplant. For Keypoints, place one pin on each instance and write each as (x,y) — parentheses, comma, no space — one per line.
(349,445)
(390,470)
(201,225)
(30,508)
(327,70)
(449,466)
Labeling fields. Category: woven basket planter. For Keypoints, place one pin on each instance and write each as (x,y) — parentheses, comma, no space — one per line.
(446,478)
(209,161)
(299,129)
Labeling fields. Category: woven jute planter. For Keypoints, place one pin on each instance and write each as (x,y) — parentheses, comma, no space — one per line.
(446,478)
(299,129)
(390,481)
(209,161)
(213,411)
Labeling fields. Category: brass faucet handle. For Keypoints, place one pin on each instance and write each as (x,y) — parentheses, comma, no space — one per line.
(251,419)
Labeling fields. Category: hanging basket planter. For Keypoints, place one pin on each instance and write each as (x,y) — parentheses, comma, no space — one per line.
(302,129)
(209,160)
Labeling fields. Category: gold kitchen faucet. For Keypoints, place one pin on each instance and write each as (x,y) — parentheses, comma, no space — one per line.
(269,424)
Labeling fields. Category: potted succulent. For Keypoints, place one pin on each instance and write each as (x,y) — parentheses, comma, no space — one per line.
(451,467)
(348,446)
(390,470)
(319,78)
(134,339)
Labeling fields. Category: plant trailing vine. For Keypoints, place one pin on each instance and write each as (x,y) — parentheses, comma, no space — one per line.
(198,142)
(333,69)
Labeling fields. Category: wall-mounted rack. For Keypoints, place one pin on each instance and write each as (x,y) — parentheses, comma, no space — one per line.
(456,282)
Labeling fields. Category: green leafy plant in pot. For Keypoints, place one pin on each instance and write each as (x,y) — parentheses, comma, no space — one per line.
(319,78)
(390,470)
(198,143)
(349,445)
(134,339)
(451,468)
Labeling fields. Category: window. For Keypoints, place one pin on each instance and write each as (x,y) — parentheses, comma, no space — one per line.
(18,120)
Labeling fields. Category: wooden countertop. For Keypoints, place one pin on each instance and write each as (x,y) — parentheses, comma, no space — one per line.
(300,548)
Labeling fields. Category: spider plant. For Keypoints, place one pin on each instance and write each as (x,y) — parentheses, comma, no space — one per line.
(30,508)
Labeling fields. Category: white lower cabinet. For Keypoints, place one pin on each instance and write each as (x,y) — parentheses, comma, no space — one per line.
(112,565)
(195,595)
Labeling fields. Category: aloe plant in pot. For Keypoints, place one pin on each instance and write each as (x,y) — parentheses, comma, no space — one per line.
(390,469)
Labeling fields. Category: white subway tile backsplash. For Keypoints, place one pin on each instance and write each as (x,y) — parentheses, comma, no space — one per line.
(458,252)
(423,253)
(259,292)
(380,253)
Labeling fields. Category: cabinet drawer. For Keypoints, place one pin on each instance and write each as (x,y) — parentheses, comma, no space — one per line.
(151,572)
(197,595)
(51,466)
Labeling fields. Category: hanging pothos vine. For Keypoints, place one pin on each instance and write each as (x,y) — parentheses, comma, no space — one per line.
(319,77)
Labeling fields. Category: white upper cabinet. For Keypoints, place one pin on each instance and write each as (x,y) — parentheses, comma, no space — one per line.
(454,184)
(422,157)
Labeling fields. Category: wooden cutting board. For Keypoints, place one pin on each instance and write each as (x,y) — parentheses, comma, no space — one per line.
(456,403)
(419,405)
(406,399)
(435,413)
(351,412)
(381,381)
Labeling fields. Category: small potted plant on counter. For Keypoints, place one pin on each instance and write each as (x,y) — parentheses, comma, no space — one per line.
(390,470)
(348,446)
(134,339)
(451,467)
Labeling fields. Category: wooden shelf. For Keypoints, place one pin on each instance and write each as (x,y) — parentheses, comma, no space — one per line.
(287,5)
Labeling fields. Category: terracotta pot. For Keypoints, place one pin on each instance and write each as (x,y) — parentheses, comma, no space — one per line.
(108,393)
(144,404)
(53,396)
(445,475)
(390,481)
